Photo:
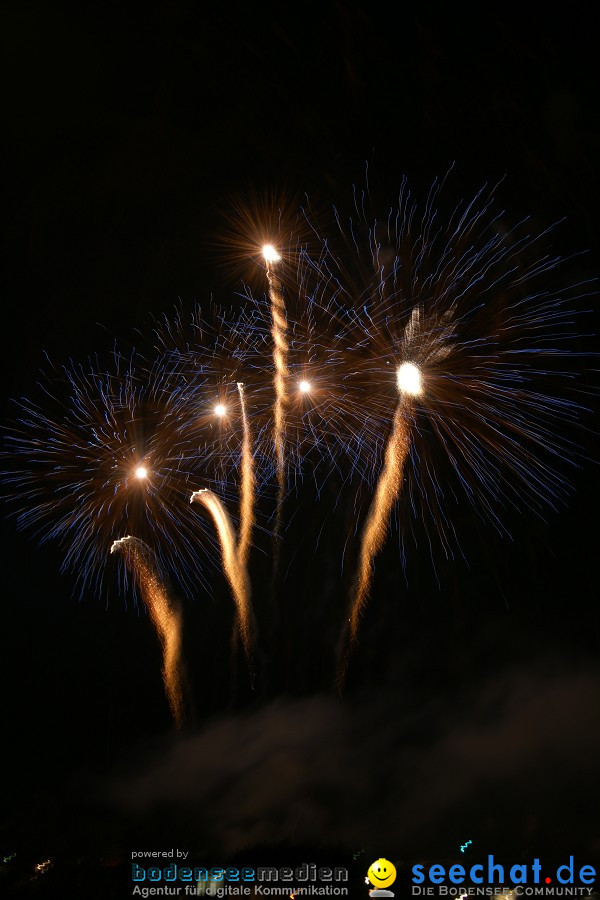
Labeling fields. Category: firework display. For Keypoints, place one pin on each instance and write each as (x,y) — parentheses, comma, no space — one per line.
(430,356)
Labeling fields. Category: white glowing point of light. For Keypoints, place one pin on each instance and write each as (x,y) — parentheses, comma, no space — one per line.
(141,472)
(304,386)
(220,410)
(270,253)
(409,379)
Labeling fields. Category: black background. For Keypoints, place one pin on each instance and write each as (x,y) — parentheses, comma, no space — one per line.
(127,133)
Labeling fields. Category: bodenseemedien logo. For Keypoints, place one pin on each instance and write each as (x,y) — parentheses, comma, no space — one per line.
(229,881)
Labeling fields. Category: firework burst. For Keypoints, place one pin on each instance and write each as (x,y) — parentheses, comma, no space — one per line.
(464,314)
(121,456)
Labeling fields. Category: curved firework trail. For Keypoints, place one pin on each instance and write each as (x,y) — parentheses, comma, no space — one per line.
(235,573)
(165,615)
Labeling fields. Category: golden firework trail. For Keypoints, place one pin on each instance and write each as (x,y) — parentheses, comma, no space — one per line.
(376,526)
(280,379)
(247,487)
(236,574)
(166,617)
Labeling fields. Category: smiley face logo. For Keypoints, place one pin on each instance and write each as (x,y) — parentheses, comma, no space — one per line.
(381,874)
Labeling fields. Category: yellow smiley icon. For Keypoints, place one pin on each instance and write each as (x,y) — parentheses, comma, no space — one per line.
(382,873)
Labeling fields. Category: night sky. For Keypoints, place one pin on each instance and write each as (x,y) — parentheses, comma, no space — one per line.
(472,708)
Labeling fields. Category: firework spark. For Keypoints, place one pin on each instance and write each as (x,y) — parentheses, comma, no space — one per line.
(165,615)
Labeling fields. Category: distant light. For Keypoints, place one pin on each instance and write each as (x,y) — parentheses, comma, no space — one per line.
(42,867)
(305,386)
(220,410)
(270,253)
(141,472)
(408,377)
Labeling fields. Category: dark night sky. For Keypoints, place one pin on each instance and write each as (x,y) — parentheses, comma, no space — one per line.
(126,135)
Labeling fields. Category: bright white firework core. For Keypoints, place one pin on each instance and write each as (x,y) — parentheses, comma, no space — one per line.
(220,410)
(270,253)
(141,472)
(304,386)
(408,377)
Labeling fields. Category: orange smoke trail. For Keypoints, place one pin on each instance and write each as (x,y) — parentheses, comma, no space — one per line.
(235,573)
(280,356)
(247,487)
(377,522)
(166,618)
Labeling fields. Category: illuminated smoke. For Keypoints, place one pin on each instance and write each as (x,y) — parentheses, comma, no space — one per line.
(166,617)
(235,573)
(377,523)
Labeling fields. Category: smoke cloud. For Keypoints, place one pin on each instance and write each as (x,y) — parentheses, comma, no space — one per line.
(511,763)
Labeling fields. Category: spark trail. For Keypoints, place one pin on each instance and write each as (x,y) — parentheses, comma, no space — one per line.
(376,526)
(166,617)
(280,380)
(247,488)
(236,574)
